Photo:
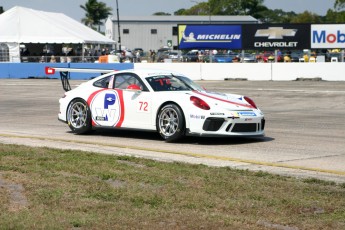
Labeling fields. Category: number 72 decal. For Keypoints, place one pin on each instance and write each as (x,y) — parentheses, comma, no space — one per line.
(143,106)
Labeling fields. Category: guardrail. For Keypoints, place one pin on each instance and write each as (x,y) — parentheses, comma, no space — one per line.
(37,70)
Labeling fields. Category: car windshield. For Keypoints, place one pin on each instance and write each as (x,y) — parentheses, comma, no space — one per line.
(172,83)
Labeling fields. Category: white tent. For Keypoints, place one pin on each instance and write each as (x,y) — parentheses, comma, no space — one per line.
(24,25)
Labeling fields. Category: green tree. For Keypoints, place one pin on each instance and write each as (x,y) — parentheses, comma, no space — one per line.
(306,17)
(180,12)
(95,13)
(236,7)
(254,8)
(258,10)
(277,16)
(1,10)
(201,8)
(339,4)
(161,13)
(334,17)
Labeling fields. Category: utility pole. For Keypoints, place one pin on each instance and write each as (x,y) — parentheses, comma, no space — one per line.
(118,24)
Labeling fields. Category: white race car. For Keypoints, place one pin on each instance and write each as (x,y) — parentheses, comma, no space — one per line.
(158,100)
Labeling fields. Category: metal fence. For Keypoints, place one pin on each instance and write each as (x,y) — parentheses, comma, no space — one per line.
(218,58)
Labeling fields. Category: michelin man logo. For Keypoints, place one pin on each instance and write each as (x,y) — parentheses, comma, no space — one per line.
(190,37)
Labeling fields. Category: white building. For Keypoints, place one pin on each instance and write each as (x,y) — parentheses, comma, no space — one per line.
(154,32)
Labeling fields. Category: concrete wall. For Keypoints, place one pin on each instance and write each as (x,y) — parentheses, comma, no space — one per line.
(329,71)
(254,71)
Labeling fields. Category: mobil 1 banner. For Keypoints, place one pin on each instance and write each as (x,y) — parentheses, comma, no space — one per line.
(276,36)
(210,36)
(328,36)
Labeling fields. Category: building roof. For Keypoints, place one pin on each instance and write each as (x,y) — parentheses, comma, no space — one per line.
(189,19)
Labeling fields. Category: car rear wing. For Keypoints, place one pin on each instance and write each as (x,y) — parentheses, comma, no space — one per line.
(65,74)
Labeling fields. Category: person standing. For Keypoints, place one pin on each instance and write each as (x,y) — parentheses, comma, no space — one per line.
(138,56)
(153,56)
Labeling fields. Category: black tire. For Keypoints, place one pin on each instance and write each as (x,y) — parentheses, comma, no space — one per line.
(170,123)
(79,117)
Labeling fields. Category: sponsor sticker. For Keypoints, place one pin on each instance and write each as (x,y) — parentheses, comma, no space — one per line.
(247,114)
(105,108)
(215,114)
(234,114)
(197,116)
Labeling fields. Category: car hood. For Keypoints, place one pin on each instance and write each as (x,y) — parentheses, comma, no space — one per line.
(226,101)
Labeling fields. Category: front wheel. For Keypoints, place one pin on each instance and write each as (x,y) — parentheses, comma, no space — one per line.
(170,123)
(79,117)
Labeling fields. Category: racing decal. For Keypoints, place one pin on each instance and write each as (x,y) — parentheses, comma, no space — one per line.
(144,107)
(217,114)
(219,99)
(247,114)
(197,116)
(122,107)
(107,108)
(234,115)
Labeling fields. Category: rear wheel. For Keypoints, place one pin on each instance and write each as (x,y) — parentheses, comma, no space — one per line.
(79,116)
(170,123)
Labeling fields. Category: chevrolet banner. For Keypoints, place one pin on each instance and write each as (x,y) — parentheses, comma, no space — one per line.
(276,36)
(210,36)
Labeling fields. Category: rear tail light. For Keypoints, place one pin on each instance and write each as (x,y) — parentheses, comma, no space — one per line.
(199,103)
(250,101)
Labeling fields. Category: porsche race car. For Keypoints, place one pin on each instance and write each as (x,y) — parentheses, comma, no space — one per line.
(158,100)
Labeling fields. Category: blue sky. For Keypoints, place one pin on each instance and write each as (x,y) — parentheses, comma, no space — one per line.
(147,7)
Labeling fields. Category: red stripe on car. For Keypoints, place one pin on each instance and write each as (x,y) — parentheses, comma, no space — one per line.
(122,106)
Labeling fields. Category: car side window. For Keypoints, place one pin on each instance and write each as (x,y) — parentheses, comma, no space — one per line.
(167,83)
(103,82)
(123,80)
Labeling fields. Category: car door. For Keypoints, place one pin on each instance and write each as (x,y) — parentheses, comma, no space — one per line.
(137,104)
(106,104)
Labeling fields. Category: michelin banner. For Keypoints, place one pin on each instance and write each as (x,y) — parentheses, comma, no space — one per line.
(210,36)
(327,36)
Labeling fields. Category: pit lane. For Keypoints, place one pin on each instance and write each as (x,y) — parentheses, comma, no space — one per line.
(305,128)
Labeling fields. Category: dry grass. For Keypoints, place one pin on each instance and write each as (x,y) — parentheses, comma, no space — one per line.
(43,188)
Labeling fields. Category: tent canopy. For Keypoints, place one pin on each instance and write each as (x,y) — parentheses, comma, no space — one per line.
(24,25)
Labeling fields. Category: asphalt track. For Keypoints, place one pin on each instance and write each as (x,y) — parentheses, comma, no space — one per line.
(305,128)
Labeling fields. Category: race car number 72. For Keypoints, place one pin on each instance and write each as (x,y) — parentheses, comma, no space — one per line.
(143,106)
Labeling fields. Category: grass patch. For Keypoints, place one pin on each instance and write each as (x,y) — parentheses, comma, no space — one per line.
(63,189)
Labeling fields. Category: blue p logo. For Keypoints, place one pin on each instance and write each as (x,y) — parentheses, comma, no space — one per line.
(109,99)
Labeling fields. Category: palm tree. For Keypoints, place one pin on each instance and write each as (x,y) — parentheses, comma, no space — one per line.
(95,12)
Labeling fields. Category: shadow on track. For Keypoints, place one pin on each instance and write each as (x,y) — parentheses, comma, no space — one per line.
(192,140)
